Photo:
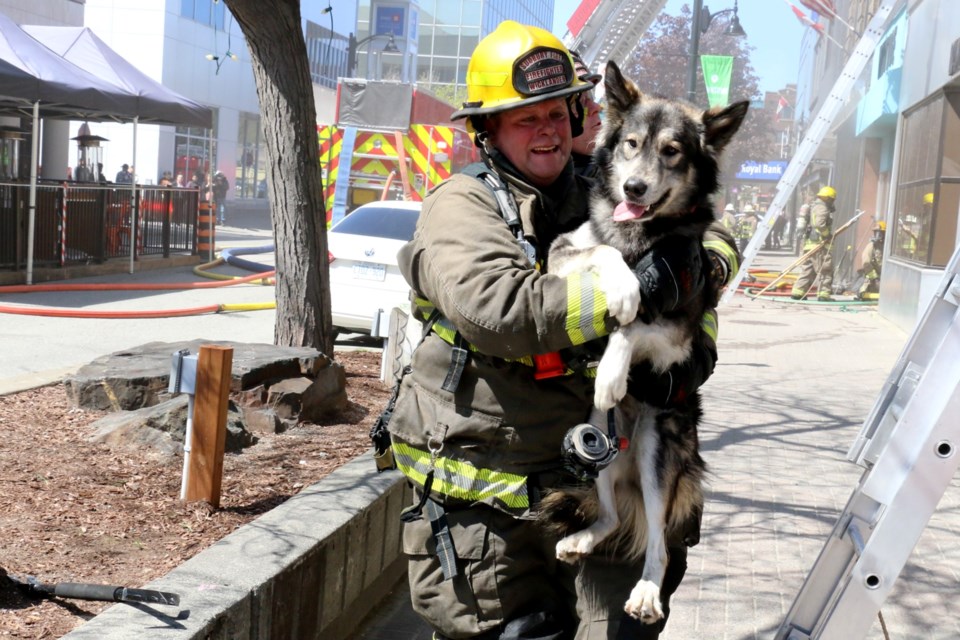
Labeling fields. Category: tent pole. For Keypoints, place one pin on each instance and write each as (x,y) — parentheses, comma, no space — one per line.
(133,198)
(32,216)
(208,188)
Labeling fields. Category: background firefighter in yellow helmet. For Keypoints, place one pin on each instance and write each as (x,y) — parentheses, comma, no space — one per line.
(818,224)
(746,226)
(478,425)
(872,263)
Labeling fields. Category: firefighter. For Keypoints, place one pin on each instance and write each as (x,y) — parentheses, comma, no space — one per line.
(872,263)
(480,417)
(729,218)
(818,226)
(746,226)
(584,143)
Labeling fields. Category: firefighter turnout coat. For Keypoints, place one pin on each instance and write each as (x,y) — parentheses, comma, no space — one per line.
(488,439)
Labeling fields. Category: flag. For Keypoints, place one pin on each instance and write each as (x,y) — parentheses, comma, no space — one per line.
(822,7)
(716,76)
(805,19)
(781,105)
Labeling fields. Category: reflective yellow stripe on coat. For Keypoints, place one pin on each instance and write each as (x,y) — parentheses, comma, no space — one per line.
(461,480)
(585,320)
(726,252)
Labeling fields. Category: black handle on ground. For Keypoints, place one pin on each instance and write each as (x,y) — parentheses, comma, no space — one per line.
(113,594)
(108,593)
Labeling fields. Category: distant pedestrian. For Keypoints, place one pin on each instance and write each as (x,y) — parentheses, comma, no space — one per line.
(124,176)
(219,188)
(83,173)
(778,226)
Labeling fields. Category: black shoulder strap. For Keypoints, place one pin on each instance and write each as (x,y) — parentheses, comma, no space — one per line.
(505,200)
(507,204)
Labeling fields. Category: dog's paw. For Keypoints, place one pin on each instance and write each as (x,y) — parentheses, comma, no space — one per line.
(609,388)
(578,544)
(644,603)
(623,296)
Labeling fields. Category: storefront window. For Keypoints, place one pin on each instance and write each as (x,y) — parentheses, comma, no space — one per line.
(193,149)
(250,180)
(928,191)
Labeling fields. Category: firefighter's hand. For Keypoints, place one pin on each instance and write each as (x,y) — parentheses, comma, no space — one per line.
(674,386)
(671,274)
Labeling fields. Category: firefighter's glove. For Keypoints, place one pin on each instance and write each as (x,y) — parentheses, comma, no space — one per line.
(671,274)
(675,385)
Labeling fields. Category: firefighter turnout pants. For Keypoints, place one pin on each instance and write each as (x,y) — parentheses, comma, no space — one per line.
(510,586)
(820,263)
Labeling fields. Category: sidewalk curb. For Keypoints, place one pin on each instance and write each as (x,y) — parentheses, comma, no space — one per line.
(29,381)
(309,569)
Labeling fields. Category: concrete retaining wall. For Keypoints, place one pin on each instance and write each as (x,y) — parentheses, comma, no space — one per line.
(311,568)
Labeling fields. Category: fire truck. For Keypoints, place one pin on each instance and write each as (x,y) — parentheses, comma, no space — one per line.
(391,141)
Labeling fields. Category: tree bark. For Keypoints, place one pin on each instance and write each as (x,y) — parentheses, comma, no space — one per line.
(288,117)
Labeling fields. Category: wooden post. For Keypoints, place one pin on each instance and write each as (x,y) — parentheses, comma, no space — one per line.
(205,471)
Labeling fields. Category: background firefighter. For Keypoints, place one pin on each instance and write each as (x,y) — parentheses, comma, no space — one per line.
(872,259)
(817,224)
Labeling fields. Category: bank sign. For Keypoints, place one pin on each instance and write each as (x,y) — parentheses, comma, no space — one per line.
(771,170)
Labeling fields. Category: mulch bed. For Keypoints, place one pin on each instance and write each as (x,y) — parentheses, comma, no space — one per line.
(76,511)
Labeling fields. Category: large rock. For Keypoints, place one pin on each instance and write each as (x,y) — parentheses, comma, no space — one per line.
(310,399)
(162,428)
(138,377)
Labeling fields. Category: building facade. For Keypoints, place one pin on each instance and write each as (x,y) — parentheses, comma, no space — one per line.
(196,48)
(896,154)
(434,52)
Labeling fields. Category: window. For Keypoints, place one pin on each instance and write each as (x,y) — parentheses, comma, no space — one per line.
(885,53)
(250,179)
(928,188)
(192,152)
(212,14)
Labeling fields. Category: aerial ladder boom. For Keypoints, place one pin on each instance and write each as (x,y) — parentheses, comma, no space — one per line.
(613,30)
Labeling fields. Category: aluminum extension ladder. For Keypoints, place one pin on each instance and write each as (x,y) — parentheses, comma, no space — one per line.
(814,136)
(909,447)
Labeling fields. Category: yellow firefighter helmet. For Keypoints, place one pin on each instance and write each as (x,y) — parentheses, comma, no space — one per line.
(827,192)
(517,65)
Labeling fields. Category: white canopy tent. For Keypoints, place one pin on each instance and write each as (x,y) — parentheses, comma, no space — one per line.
(38,81)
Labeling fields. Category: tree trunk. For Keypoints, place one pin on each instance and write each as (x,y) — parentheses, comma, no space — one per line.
(279,56)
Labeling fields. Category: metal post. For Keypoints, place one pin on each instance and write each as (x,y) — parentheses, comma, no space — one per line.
(32,218)
(133,198)
(694,50)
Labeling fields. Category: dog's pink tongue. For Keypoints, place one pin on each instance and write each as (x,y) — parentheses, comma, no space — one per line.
(628,211)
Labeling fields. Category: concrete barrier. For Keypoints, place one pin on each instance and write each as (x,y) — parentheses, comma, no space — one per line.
(311,568)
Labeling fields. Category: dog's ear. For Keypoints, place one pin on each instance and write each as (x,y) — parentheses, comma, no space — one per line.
(720,123)
(621,92)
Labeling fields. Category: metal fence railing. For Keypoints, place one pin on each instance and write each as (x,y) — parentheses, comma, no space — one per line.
(82,224)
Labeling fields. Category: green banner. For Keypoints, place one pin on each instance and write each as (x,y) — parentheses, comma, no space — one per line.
(716,75)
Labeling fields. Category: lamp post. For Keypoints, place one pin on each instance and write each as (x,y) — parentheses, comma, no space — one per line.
(699,24)
(353,49)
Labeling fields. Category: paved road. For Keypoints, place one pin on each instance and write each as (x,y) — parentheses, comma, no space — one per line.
(791,390)
(37,349)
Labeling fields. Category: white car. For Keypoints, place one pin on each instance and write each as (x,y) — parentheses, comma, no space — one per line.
(365,283)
